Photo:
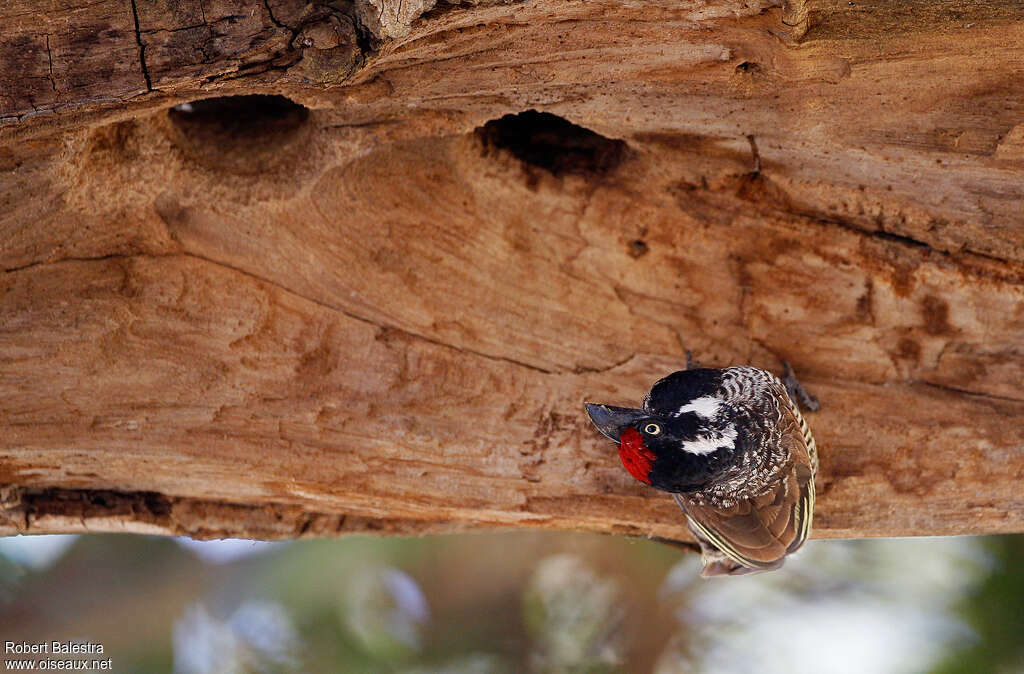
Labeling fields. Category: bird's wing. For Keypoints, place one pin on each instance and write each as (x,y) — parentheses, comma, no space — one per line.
(758,532)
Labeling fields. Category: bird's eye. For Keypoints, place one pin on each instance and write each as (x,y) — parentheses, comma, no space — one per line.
(652,429)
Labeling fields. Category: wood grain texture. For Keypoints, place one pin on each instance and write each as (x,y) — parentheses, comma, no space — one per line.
(380,319)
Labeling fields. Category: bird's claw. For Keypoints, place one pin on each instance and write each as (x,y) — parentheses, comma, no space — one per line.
(796,390)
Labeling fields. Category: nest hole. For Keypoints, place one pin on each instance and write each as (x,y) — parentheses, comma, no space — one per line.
(552,143)
(246,117)
(239,132)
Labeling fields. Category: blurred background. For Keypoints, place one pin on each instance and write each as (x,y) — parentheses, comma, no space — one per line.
(516,602)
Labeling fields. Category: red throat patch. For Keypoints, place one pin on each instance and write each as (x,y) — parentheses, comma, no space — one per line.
(635,456)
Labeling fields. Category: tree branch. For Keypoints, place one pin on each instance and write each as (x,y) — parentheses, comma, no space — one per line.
(384,310)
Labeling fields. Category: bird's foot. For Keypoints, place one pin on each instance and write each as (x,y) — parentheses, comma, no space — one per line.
(691,364)
(796,390)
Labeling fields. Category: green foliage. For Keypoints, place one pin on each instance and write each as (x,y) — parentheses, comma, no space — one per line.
(523,602)
(995,611)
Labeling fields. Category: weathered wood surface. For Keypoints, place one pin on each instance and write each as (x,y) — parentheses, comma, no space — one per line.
(377,318)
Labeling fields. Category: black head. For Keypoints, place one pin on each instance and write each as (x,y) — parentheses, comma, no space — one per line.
(681,388)
(681,440)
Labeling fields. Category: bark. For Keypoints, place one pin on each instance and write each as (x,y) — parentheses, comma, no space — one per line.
(383,311)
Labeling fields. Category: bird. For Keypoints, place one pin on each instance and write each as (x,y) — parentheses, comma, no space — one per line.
(732,448)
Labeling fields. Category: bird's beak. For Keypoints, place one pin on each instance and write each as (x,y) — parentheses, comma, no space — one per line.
(610,420)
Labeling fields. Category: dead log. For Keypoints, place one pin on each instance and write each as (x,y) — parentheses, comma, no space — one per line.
(377,300)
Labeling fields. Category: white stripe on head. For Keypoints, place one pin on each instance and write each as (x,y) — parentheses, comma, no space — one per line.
(705,407)
(706,444)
